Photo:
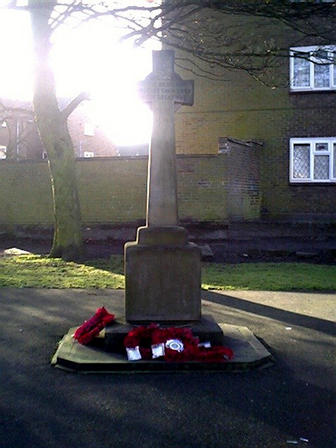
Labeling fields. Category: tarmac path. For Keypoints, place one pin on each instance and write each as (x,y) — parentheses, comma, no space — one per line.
(44,407)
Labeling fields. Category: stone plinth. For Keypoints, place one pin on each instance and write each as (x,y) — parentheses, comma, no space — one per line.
(162,279)
(249,353)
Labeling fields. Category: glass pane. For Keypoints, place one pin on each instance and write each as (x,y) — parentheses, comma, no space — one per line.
(301,161)
(321,147)
(332,58)
(321,75)
(301,73)
(320,55)
(334,164)
(321,167)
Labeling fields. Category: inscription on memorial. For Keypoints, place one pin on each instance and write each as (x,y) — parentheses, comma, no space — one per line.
(181,92)
(163,84)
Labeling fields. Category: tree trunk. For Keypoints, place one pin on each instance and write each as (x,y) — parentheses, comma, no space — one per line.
(11,153)
(52,126)
(67,242)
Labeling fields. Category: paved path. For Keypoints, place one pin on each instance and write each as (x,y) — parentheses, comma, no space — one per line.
(45,407)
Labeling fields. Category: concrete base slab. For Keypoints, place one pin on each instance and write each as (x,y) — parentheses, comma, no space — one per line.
(249,353)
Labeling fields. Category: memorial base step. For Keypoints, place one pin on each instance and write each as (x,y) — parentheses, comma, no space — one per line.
(249,353)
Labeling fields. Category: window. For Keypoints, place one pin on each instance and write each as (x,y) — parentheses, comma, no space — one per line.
(3,151)
(89,129)
(313,68)
(313,159)
(88,154)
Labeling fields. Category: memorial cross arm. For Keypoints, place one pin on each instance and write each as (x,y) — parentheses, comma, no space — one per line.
(163,84)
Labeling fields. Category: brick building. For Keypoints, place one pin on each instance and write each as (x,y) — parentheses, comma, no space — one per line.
(19,138)
(292,118)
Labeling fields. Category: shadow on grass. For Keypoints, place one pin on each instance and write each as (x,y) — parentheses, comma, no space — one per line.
(114,264)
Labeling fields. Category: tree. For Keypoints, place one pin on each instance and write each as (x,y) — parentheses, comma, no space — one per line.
(208,30)
(46,17)
(52,125)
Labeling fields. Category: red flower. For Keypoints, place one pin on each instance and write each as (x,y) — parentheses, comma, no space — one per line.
(140,336)
(92,327)
(146,353)
(145,337)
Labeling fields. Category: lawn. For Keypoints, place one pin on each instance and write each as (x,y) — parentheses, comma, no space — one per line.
(270,276)
(33,271)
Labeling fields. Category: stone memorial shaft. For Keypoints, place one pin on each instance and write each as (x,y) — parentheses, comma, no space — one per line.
(163,90)
(162,270)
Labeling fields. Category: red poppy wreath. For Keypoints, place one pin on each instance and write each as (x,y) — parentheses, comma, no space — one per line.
(92,327)
(171,344)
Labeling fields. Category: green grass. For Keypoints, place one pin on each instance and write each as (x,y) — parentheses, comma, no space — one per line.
(34,271)
(270,277)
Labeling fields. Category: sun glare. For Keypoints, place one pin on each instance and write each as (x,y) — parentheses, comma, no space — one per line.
(89,58)
(16,78)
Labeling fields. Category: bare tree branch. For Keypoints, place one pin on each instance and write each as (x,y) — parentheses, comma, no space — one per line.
(205,29)
(75,103)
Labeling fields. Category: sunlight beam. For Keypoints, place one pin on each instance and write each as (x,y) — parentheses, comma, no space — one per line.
(88,58)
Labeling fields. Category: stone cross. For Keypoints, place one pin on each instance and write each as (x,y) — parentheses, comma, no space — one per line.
(162,270)
(164,90)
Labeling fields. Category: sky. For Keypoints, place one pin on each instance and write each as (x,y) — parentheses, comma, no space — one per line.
(89,58)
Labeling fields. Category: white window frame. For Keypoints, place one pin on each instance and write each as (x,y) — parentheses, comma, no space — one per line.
(330,141)
(3,149)
(89,129)
(331,49)
(88,154)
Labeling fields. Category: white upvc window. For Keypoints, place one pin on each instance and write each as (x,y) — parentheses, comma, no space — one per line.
(88,154)
(89,129)
(3,151)
(312,68)
(312,160)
